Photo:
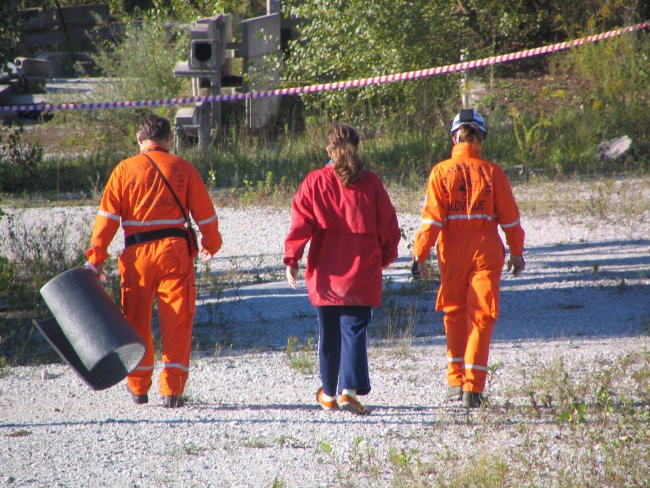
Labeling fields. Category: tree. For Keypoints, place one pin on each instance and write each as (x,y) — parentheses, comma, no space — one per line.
(10,24)
(347,39)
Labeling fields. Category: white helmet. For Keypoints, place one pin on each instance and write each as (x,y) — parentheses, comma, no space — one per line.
(468,117)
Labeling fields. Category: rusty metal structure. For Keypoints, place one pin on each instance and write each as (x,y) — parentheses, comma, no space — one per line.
(23,82)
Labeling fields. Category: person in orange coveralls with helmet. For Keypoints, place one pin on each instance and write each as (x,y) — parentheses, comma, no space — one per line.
(156,261)
(346,213)
(467,197)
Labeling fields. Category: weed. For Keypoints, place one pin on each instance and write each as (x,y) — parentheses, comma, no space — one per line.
(5,370)
(258,442)
(20,161)
(34,253)
(286,441)
(409,470)
(554,386)
(487,471)
(338,465)
(595,270)
(301,358)
(277,482)
(190,449)
(398,323)
(362,458)
(530,139)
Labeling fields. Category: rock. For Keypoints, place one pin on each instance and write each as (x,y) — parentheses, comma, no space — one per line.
(46,375)
(613,149)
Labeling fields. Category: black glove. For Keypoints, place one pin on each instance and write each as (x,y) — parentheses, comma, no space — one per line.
(415,271)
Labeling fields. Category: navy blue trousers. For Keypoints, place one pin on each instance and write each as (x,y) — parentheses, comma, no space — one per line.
(343,348)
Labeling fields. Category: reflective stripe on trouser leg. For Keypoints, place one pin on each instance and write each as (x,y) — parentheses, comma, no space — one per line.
(455,322)
(139,380)
(176,307)
(455,267)
(483,309)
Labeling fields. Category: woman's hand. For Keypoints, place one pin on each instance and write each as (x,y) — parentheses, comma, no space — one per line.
(292,274)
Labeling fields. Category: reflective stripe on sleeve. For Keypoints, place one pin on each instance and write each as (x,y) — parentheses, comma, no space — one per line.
(476,366)
(144,368)
(207,221)
(108,215)
(433,222)
(176,365)
(148,223)
(507,226)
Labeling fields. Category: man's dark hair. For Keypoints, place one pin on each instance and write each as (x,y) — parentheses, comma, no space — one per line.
(152,126)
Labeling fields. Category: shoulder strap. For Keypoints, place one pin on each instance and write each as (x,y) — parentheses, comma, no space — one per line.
(168,186)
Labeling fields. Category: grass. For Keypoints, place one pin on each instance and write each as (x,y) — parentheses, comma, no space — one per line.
(607,199)
(591,429)
(302,358)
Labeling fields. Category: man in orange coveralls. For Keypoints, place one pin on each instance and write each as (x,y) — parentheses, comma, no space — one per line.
(156,260)
(466,198)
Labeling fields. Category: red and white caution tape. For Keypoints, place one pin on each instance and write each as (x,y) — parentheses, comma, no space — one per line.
(339,85)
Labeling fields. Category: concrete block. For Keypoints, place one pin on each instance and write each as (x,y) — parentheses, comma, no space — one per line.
(261,35)
(186,116)
(208,39)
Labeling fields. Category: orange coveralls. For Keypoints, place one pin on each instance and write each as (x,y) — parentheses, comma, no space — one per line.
(466,198)
(137,198)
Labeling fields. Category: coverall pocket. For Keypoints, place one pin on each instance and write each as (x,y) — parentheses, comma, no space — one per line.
(492,304)
(125,304)
(178,262)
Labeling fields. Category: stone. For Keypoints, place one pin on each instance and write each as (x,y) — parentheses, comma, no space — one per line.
(614,148)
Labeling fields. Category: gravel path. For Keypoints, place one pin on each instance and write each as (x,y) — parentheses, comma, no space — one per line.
(251,419)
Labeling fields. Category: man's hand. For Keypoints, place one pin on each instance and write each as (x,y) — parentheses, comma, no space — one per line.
(292,274)
(516,264)
(205,256)
(98,269)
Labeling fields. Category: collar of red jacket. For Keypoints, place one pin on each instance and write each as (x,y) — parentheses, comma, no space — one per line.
(156,148)
(466,149)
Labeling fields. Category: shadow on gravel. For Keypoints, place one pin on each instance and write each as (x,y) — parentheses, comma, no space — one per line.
(296,414)
(590,289)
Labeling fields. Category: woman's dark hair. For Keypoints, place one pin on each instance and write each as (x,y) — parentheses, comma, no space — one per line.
(152,126)
(467,133)
(343,143)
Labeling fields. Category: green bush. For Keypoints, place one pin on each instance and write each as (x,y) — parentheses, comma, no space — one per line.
(139,64)
(20,161)
(341,40)
(34,253)
(609,98)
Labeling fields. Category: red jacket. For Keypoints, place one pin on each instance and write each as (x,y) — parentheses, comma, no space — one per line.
(354,235)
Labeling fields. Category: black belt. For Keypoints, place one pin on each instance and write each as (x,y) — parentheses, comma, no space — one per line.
(154,235)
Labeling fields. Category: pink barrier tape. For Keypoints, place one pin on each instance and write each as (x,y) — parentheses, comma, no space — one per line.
(339,85)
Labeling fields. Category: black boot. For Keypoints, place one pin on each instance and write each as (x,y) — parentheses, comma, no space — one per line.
(172,401)
(138,399)
(473,400)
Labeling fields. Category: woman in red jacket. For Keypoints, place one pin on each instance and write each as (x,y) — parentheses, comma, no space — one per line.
(344,210)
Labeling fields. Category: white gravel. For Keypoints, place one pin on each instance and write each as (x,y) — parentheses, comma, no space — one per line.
(251,420)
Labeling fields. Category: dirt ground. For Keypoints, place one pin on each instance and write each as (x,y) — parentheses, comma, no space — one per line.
(251,419)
